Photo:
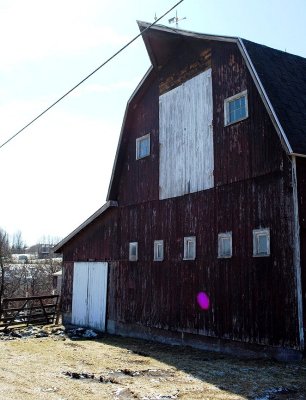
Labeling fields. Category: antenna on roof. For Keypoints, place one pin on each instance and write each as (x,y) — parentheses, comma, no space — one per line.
(155,17)
(175,19)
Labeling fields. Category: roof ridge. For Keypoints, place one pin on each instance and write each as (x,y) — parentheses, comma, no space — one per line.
(286,53)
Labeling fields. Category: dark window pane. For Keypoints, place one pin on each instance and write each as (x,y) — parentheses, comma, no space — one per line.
(226,246)
(237,109)
(262,241)
(144,147)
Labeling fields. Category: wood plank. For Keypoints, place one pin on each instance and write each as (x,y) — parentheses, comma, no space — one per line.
(52,296)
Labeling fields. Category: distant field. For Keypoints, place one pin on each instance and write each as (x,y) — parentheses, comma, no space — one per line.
(118,368)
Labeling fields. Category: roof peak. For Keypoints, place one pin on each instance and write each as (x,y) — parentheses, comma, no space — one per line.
(163,28)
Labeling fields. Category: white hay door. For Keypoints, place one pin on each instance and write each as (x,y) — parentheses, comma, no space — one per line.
(89,294)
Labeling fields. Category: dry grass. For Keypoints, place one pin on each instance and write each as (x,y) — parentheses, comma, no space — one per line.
(135,369)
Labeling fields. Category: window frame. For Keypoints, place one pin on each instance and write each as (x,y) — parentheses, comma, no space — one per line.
(189,239)
(138,141)
(256,234)
(133,257)
(227,101)
(158,243)
(221,237)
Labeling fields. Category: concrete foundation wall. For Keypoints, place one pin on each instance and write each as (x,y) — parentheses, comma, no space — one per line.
(230,347)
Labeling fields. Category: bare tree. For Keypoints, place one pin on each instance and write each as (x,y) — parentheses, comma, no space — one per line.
(39,276)
(4,259)
(51,240)
(18,245)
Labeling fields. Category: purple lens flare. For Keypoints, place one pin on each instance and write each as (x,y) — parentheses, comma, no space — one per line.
(203,300)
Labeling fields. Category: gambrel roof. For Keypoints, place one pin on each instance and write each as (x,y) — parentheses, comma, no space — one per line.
(280,78)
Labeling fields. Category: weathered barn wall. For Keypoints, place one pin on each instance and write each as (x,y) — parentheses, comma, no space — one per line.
(186,155)
(301,177)
(249,148)
(138,179)
(96,242)
(66,292)
(190,58)
(245,292)
(241,151)
(252,299)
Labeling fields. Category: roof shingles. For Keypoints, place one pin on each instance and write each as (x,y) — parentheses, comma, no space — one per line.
(283,76)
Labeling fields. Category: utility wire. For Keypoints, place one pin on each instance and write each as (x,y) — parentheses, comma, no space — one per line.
(88,76)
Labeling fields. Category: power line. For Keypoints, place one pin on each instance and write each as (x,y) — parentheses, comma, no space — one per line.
(88,76)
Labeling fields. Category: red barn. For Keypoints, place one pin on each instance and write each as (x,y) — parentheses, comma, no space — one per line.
(207,194)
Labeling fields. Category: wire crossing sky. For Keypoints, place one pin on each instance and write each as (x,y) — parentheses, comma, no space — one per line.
(88,76)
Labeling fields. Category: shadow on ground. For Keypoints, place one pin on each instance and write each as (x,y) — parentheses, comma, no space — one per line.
(258,379)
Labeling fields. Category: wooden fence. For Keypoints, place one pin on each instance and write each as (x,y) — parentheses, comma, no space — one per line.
(29,310)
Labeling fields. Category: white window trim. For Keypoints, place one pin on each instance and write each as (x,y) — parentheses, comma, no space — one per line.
(256,233)
(225,235)
(131,256)
(158,243)
(138,140)
(186,240)
(244,93)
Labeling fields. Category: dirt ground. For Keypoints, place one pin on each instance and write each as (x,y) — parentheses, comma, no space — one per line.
(58,368)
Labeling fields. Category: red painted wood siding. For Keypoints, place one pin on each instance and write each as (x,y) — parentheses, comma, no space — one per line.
(97,242)
(248,148)
(252,299)
(139,178)
(301,176)
(66,292)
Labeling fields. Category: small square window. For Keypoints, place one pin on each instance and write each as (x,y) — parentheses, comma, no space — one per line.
(143,146)
(133,251)
(189,248)
(261,242)
(235,108)
(158,250)
(225,245)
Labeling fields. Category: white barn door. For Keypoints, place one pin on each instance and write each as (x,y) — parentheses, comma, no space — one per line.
(186,158)
(79,293)
(89,294)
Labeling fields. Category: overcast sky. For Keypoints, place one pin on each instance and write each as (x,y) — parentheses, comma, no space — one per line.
(56,173)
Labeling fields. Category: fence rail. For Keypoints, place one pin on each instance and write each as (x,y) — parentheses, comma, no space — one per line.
(29,310)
